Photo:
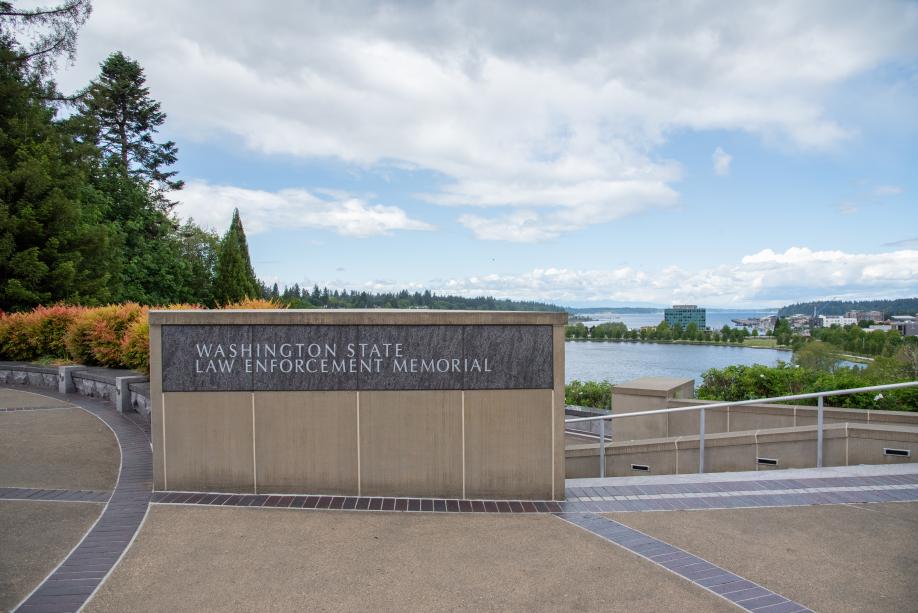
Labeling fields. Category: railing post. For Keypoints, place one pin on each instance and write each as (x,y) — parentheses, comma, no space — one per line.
(819,432)
(701,440)
(602,448)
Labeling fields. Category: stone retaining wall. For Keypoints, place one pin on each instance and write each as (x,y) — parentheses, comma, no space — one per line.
(14,373)
(93,382)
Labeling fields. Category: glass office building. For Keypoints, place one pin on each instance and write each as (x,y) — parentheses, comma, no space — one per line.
(685,314)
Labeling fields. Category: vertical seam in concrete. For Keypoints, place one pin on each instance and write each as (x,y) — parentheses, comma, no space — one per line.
(358,442)
(756,435)
(676,443)
(165,474)
(254,462)
(728,419)
(463,443)
(846,444)
(552,435)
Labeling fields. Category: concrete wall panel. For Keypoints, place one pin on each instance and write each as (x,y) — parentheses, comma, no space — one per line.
(208,442)
(306,442)
(504,431)
(411,443)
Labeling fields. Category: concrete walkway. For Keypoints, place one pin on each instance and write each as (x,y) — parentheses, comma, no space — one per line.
(840,558)
(78,576)
(712,582)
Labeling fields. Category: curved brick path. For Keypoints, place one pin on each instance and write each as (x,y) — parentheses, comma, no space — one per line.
(72,583)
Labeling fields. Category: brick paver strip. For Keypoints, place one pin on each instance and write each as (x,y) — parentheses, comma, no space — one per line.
(738,590)
(427,505)
(72,583)
(26,493)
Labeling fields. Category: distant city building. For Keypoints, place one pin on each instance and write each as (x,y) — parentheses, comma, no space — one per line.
(684,314)
(799,321)
(865,315)
(879,328)
(768,323)
(906,328)
(827,321)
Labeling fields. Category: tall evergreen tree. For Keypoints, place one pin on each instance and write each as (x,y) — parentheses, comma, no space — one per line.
(235,279)
(55,241)
(122,119)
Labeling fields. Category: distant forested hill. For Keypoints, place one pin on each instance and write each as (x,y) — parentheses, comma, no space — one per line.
(902,306)
(304,298)
(618,310)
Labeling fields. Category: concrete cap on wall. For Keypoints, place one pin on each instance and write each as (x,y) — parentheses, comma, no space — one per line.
(652,386)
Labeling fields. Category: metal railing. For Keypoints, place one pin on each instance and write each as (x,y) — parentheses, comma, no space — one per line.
(820,396)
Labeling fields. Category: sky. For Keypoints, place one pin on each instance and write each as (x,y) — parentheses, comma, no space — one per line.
(728,154)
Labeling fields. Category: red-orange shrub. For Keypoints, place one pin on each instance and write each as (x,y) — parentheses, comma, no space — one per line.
(79,334)
(254,303)
(135,346)
(48,329)
(15,340)
(108,330)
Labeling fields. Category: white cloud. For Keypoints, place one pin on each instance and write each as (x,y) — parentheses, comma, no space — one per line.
(766,278)
(847,208)
(721,160)
(212,206)
(887,190)
(905,242)
(539,111)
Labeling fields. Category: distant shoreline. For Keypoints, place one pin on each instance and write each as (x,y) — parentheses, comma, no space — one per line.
(678,342)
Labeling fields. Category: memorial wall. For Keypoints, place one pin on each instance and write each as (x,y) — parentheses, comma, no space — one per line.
(447,404)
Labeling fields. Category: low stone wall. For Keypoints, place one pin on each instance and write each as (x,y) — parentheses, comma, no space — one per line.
(140,398)
(101,383)
(844,444)
(15,373)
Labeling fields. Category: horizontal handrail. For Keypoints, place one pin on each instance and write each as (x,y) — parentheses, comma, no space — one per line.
(719,405)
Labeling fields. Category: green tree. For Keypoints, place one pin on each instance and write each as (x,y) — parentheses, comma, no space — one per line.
(55,241)
(235,279)
(782,332)
(816,355)
(121,119)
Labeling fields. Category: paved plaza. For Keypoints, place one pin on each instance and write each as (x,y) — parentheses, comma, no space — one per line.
(80,527)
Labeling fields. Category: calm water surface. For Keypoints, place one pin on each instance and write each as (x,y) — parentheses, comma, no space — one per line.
(619,362)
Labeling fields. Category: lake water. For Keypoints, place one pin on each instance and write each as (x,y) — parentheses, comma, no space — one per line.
(619,362)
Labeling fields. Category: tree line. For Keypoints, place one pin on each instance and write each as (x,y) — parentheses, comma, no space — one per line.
(901,306)
(662,332)
(295,297)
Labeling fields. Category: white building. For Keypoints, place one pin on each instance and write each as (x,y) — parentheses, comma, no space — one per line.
(827,321)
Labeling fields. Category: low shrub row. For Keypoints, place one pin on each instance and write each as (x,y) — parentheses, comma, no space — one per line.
(595,394)
(115,336)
